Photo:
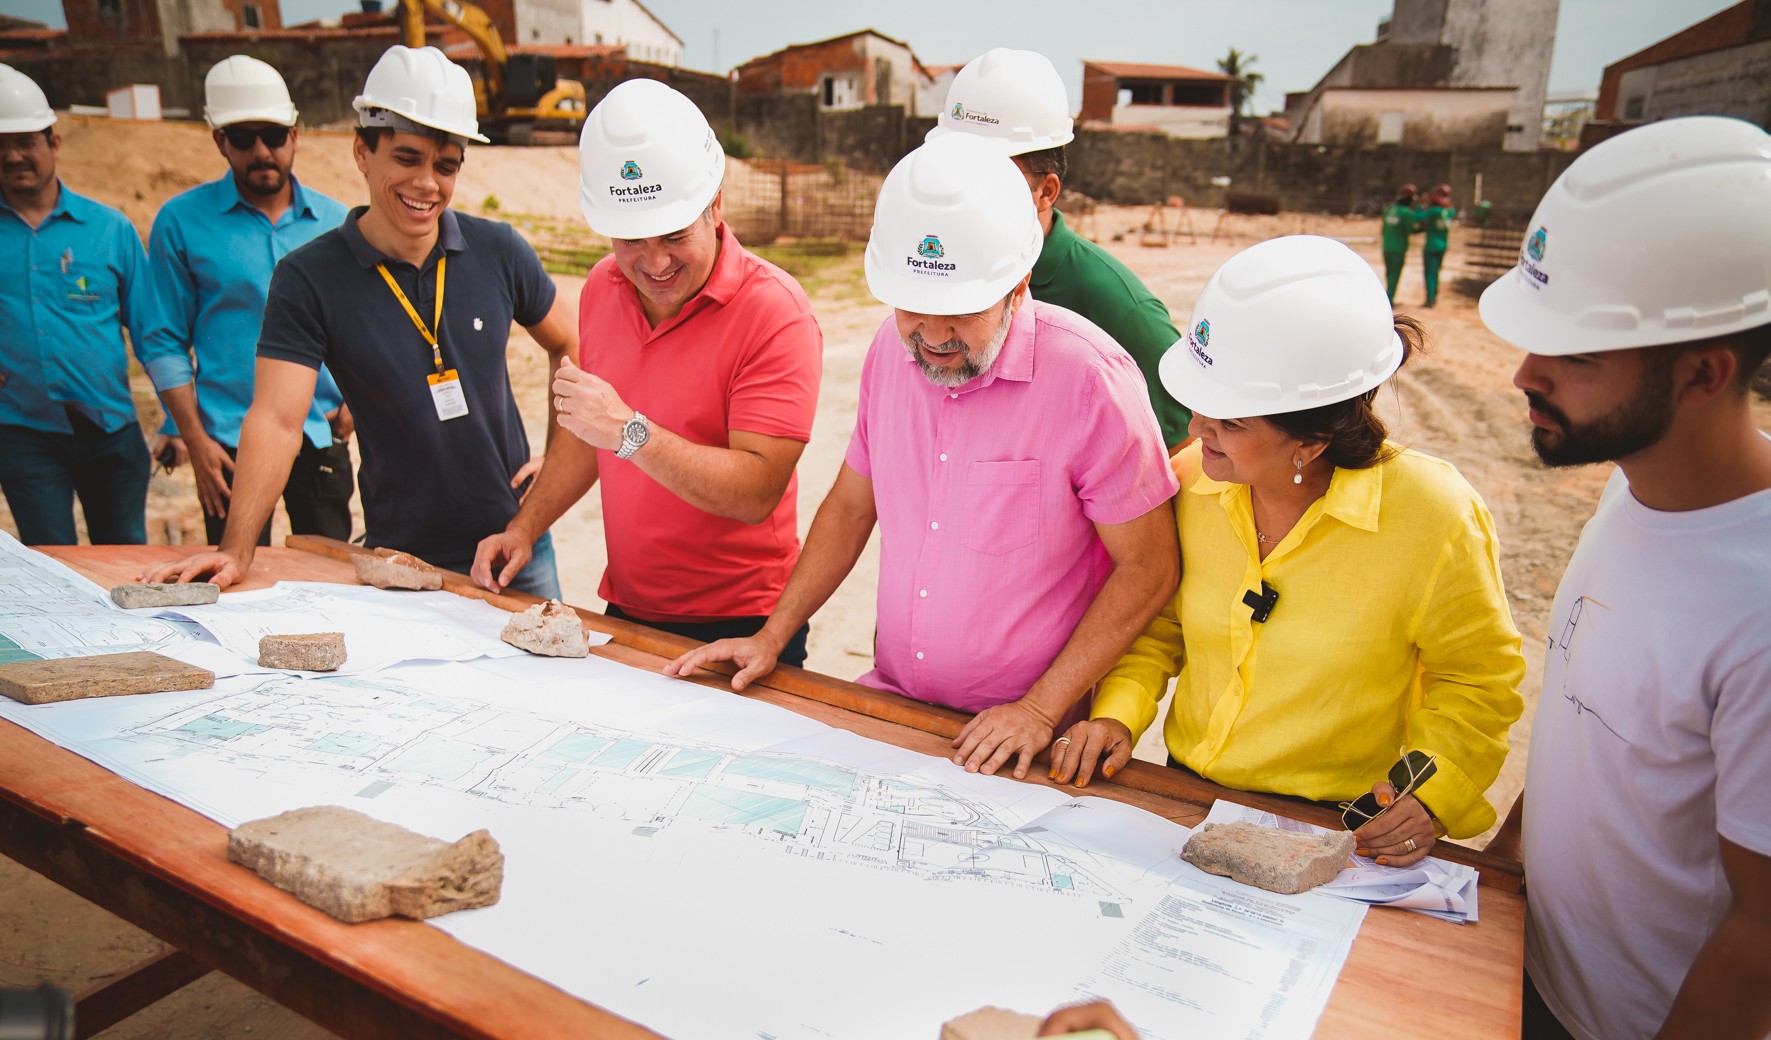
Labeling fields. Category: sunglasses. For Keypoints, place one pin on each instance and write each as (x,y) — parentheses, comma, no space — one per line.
(1414,769)
(274,137)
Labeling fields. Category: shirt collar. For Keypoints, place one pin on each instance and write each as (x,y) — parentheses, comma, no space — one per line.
(1052,254)
(67,204)
(1354,495)
(449,238)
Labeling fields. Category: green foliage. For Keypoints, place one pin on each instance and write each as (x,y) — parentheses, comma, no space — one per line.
(736,145)
(490,205)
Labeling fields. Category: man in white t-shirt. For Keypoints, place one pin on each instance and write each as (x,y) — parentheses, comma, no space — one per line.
(1643,294)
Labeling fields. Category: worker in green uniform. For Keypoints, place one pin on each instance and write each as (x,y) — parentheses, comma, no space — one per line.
(1398,225)
(1435,219)
(1017,97)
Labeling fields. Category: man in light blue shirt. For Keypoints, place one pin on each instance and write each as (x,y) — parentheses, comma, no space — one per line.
(72,276)
(211,251)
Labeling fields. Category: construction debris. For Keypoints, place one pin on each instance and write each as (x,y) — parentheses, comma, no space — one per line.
(392,569)
(552,629)
(137,595)
(1287,862)
(105,675)
(305,652)
(357,868)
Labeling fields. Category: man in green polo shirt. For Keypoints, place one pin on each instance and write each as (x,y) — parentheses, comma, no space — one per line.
(1398,225)
(1016,97)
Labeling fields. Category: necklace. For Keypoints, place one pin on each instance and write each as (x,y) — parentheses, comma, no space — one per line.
(1264,539)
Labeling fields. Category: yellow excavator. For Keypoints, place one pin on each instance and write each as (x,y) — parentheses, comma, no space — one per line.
(516,94)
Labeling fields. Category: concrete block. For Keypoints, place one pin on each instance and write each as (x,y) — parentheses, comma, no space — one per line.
(390,569)
(136,595)
(991,1023)
(105,675)
(1288,862)
(357,868)
(306,652)
(550,628)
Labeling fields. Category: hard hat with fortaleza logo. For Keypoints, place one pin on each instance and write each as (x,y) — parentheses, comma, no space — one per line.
(242,89)
(954,228)
(419,87)
(1655,236)
(1292,323)
(648,162)
(1014,96)
(23,108)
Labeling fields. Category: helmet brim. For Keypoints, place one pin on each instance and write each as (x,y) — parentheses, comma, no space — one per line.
(26,124)
(1191,383)
(280,116)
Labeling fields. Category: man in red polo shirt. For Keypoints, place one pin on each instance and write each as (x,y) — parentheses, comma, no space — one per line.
(693,394)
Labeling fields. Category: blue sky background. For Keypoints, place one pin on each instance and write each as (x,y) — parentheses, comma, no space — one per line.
(1296,41)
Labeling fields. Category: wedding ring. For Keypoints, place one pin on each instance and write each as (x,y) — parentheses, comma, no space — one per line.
(1409,844)
(1060,740)
(559,403)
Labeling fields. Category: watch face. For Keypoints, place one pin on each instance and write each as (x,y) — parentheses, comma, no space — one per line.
(636,432)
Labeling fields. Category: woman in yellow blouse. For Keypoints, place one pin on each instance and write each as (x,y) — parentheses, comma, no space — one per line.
(1340,597)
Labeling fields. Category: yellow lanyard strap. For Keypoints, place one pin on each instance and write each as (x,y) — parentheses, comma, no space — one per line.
(436,349)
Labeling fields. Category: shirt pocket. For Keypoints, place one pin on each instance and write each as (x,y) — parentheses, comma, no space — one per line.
(1001,506)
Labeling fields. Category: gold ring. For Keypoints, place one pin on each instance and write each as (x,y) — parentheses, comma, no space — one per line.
(1410,844)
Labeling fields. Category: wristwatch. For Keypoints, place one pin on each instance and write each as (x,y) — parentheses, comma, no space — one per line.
(634,435)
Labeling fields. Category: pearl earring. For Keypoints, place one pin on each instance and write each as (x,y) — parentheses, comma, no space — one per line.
(1298,477)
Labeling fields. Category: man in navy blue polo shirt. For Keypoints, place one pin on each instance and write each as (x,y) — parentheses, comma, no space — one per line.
(211,252)
(410,305)
(72,275)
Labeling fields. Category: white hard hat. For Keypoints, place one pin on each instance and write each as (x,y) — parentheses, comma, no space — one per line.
(954,229)
(1292,323)
(1014,96)
(419,85)
(242,89)
(23,108)
(648,163)
(1659,235)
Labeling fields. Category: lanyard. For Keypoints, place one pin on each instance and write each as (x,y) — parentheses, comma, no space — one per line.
(436,349)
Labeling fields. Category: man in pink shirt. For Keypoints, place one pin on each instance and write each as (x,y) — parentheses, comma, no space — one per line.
(694,390)
(1007,451)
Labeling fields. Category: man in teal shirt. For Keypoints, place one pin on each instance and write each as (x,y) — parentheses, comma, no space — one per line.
(72,276)
(1398,225)
(1435,218)
(1016,97)
(211,252)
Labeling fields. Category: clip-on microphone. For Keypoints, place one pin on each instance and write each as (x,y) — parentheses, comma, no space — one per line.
(1261,603)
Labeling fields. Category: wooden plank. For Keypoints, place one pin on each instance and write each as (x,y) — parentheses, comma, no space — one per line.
(112,1001)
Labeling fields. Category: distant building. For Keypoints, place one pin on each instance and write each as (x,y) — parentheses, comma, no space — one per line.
(852,71)
(1442,75)
(1720,66)
(155,25)
(627,24)
(1565,114)
(1174,99)
(931,97)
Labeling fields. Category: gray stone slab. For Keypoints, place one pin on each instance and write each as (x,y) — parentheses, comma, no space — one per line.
(104,675)
(303,652)
(137,595)
(1288,862)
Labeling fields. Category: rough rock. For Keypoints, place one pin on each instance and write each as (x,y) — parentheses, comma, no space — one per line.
(550,628)
(991,1023)
(149,594)
(104,675)
(391,569)
(306,652)
(357,868)
(1288,862)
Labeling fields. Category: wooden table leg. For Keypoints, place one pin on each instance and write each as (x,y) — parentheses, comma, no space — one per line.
(108,1003)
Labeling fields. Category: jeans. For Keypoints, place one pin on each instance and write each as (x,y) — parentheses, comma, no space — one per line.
(41,473)
(317,496)
(794,653)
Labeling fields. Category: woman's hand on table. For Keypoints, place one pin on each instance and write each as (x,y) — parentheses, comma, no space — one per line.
(1104,742)
(1402,836)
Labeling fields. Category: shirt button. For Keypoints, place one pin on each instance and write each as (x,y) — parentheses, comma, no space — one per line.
(924,593)
(919,655)
(943,456)
(954,396)
(934,525)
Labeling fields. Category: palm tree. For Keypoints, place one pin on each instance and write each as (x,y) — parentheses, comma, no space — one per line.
(1244,81)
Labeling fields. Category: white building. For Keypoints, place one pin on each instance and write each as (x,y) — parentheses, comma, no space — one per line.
(627,23)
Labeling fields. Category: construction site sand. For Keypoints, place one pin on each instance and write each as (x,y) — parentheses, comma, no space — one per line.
(1457,403)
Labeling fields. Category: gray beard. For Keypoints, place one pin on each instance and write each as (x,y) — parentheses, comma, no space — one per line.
(973,365)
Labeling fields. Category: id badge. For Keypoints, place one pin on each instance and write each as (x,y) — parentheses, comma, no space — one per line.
(445,393)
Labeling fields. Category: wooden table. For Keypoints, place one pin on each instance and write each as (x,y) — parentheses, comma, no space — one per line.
(164,868)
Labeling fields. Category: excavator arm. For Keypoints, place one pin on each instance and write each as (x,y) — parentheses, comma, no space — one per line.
(471,20)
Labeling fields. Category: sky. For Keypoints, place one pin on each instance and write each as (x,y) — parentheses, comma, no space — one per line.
(1295,41)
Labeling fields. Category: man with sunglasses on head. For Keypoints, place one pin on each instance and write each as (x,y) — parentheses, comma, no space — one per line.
(410,304)
(211,251)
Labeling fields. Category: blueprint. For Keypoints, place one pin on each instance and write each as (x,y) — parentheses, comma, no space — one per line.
(716,866)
